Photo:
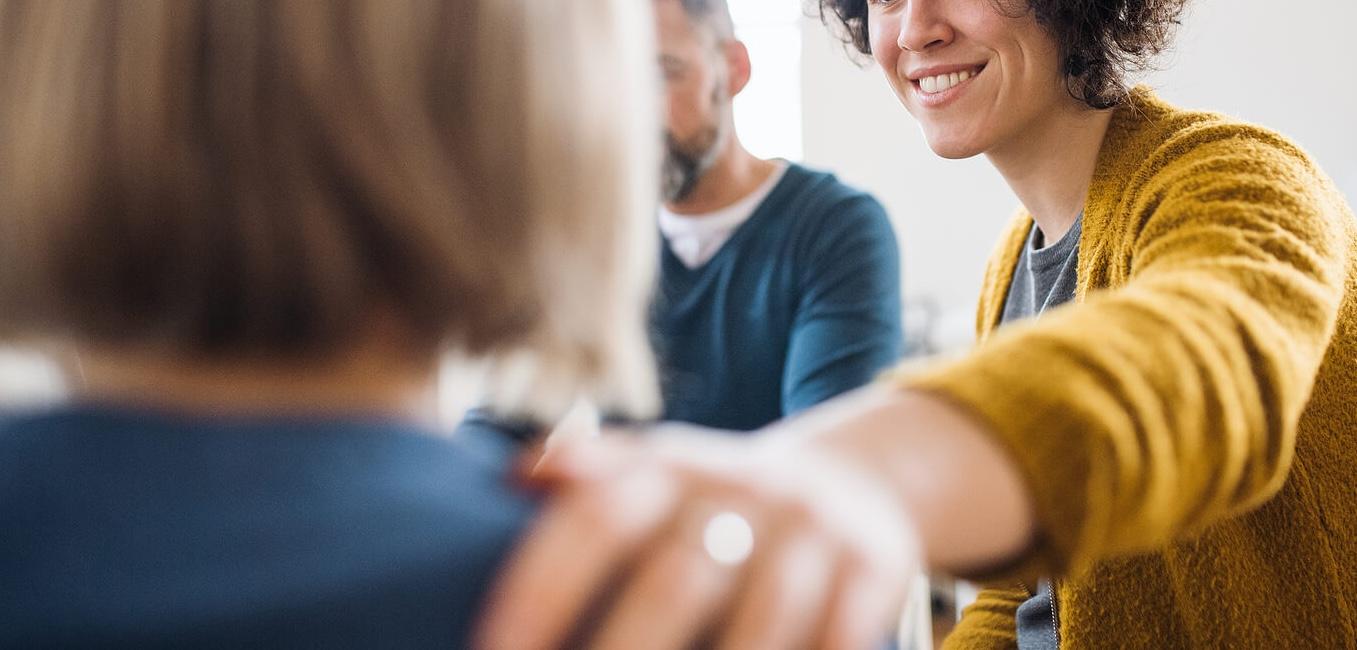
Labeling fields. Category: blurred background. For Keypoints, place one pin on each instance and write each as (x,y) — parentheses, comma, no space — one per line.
(1287,66)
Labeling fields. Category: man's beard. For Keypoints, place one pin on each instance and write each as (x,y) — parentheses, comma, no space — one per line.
(686,162)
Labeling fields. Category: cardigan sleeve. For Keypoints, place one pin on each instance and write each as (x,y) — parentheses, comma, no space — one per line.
(989,623)
(847,324)
(1156,408)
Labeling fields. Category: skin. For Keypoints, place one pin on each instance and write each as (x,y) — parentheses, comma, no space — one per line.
(1017,111)
(847,503)
(852,497)
(702,74)
(374,376)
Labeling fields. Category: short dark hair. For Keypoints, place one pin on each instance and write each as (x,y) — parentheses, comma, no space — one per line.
(712,15)
(1100,41)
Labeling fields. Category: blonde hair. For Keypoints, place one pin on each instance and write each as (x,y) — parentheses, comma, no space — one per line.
(260,177)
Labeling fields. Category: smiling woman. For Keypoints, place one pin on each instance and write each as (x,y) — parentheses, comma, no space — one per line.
(1100,43)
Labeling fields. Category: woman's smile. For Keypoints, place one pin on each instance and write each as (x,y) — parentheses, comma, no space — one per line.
(937,86)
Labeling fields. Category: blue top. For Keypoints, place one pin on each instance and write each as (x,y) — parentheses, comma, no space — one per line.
(802,303)
(132,529)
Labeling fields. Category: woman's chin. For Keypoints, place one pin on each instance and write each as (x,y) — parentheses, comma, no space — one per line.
(953,141)
(953,148)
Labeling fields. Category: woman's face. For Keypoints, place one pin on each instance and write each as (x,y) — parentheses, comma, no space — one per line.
(975,76)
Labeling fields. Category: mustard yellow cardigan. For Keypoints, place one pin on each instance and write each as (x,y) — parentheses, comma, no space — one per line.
(1188,425)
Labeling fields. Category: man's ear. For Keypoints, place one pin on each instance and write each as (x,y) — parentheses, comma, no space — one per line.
(737,66)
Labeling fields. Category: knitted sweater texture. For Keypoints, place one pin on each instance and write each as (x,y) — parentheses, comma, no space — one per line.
(1188,425)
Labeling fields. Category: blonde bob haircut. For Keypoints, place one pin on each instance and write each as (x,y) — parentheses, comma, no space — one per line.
(259,178)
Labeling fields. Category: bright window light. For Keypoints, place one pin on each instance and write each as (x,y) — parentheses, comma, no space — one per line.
(768,112)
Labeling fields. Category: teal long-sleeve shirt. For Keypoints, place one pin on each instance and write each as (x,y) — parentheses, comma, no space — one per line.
(802,303)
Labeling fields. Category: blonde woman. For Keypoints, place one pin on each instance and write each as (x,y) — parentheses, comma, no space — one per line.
(261,223)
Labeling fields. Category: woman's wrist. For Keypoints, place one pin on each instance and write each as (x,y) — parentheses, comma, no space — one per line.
(958,486)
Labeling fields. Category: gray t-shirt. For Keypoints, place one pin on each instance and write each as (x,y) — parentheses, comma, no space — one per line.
(1045,278)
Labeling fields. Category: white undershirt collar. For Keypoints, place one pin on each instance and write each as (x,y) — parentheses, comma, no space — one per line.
(696,238)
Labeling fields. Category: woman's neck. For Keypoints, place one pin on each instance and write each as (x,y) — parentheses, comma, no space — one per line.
(367,381)
(1051,165)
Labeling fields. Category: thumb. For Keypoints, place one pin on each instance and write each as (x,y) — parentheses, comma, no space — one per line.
(581,460)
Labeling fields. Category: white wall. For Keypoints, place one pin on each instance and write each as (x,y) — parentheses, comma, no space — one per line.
(768,110)
(1289,66)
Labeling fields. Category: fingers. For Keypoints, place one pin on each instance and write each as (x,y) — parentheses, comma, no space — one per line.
(580,423)
(585,533)
(832,552)
(717,459)
(669,602)
(863,606)
(783,597)
(584,459)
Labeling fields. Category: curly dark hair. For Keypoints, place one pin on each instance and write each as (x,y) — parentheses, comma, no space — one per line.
(1101,41)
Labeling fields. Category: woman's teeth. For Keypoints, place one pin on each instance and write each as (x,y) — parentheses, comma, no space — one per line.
(939,83)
